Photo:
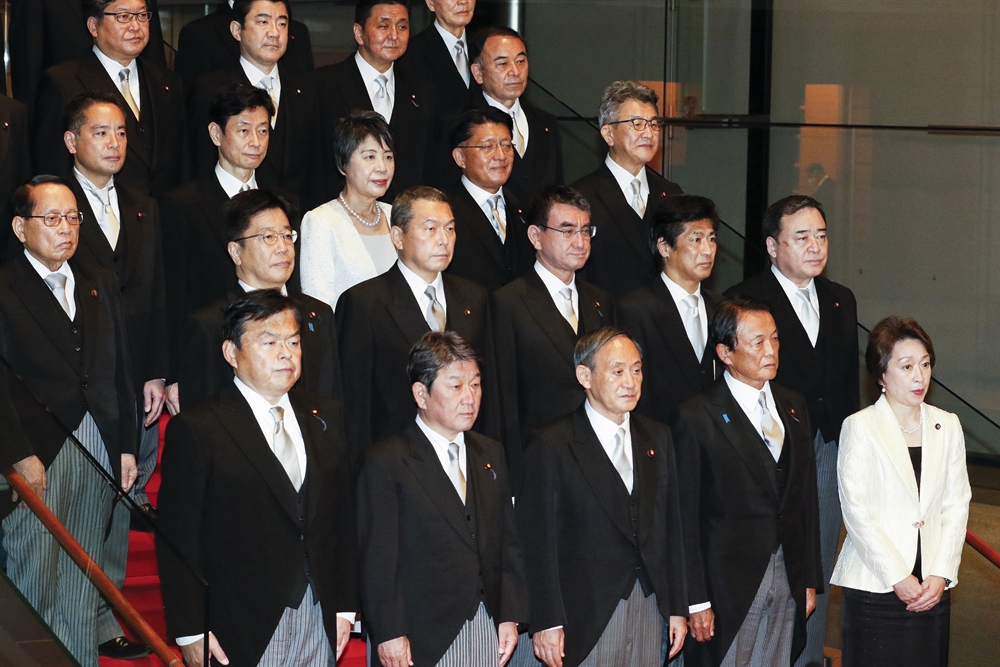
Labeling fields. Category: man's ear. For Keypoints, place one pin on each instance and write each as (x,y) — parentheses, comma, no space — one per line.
(92,25)
(17,224)
(236,29)
(607,135)
(69,139)
(359,33)
(420,394)
(229,352)
(583,376)
(215,133)
(396,234)
(772,246)
(477,72)
(233,247)
(459,157)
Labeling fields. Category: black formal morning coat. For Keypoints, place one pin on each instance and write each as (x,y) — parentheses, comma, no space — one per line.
(542,164)
(157,155)
(341,90)
(294,157)
(736,514)
(137,262)
(586,540)
(826,375)
(671,372)
(427,560)
(72,367)
(480,256)
(207,44)
(620,258)
(45,33)
(15,166)
(228,508)
(378,321)
(428,58)
(202,371)
(535,355)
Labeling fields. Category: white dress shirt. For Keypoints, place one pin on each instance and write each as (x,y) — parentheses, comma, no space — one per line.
(114,68)
(791,291)
(44,272)
(516,114)
(232,185)
(440,445)
(679,294)
(255,76)
(418,286)
(247,288)
(482,199)
(554,286)
(450,41)
(369,75)
(97,206)
(606,430)
(624,180)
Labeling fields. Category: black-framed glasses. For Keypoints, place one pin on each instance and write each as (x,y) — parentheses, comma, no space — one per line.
(639,124)
(505,146)
(53,219)
(126,17)
(589,231)
(270,238)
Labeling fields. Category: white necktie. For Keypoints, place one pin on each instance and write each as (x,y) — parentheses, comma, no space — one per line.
(267,83)
(435,313)
(497,217)
(638,205)
(772,432)
(519,143)
(381,103)
(109,221)
(127,92)
(455,471)
(567,295)
(692,322)
(57,283)
(244,187)
(620,460)
(808,315)
(284,449)
(462,61)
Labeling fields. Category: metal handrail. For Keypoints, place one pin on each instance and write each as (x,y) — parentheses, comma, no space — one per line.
(977,543)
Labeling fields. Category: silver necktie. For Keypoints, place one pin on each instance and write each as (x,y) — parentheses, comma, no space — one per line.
(57,283)
(808,315)
(123,77)
(637,203)
(772,432)
(519,143)
(620,460)
(567,295)
(435,313)
(462,61)
(381,103)
(244,187)
(109,221)
(267,83)
(284,449)
(496,217)
(693,325)
(455,471)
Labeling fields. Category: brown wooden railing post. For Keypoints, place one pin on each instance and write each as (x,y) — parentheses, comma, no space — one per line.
(90,568)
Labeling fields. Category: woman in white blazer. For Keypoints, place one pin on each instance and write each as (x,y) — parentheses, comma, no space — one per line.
(346,240)
(904,492)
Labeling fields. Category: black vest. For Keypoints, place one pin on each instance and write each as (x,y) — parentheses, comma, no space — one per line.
(304,576)
(472,522)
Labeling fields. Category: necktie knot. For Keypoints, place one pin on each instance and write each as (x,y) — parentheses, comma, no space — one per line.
(267,83)
(435,315)
(108,220)
(692,301)
(382,82)
(452,451)
(56,281)
(244,187)
(123,75)
(278,413)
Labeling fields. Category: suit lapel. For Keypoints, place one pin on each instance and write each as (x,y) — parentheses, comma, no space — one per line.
(215,198)
(441,62)
(312,423)
(670,325)
(462,313)
(732,421)
(403,308)
(794,338)
(624,218)
(133,228)
(542,309)
(932,463)
(593,313)
(482,479)
(644,477)
(88,299)
(41,304)
(91,234)
(481,226)
(895,446)
(597,470)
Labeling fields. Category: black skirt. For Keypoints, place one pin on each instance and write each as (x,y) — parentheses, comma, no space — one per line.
(878,631)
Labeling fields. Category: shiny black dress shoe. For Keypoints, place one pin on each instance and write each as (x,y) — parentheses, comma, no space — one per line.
(120,648)
(136,521)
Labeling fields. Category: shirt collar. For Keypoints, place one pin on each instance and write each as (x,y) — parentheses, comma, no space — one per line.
(791,288)
(438,440)
(478,194)
(113,67)
(746,395)
(369,73)
(259,404)
(88,185)
(230,184)
(604,427)
(255,74)
(624,179)
(515,108)
(44,271)
(247,288)
(551,282)
(678,292)
(418,285)
(450,40)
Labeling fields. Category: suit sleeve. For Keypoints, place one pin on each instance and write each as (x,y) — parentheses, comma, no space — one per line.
(810,530)
(955,496)
(689,472)
(176,241)
(356,346)
(197,366)
(129,399)
(514,588)
(158,362)
(491,413)
(348,575)
(676,565)
(14,444)
(853,379)
(507,382)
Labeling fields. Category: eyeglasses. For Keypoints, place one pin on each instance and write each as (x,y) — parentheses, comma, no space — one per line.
(74,218)
(505,146)
(126,17)
(589,231)
(270,238)
(640,124)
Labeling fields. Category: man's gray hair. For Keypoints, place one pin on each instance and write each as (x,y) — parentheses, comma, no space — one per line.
(620,92)
(590,344)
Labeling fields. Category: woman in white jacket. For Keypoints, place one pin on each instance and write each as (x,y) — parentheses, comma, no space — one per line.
(346,240)
(904,492)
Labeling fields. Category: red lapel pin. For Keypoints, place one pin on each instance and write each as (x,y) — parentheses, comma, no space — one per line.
(93,293)
(312,314)
(650,453)
(139,215)
(468,312)
(937,426)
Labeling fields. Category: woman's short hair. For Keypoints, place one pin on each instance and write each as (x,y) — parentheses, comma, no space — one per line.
(884,336)
(351,131)
(434,351)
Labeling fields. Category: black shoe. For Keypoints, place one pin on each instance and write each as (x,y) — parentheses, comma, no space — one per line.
(137,522)
(120,648)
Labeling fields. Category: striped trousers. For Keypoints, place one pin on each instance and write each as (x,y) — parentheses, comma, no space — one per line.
(299,640)
(475,645)
(765,637)
(46,576)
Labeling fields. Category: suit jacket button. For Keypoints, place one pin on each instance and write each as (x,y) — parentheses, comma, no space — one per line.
(73,330)
(302,538)
(76,349)
(468,517)
(473,536)
(84,385)
(482,592)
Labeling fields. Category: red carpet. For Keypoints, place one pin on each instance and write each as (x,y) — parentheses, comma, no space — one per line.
(142,588)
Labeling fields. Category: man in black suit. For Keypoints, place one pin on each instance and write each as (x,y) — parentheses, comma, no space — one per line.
(817,319)
(15,164)
(258,476)
(379,320)
(748,498)
(207,44)
(123,237)
(294,156)
(669,317)
(440,56)
(500,65)
(262,247)
(369,80)
(598,515)
(624,193)
(150,93)
(46,33)
(541,316)
(63,333)
(441,572)
(491,241)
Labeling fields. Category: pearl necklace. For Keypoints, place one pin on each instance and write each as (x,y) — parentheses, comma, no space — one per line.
(378,215)
(914,430)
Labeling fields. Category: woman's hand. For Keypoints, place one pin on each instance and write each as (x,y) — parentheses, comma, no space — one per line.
(931,591)
(908,590)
